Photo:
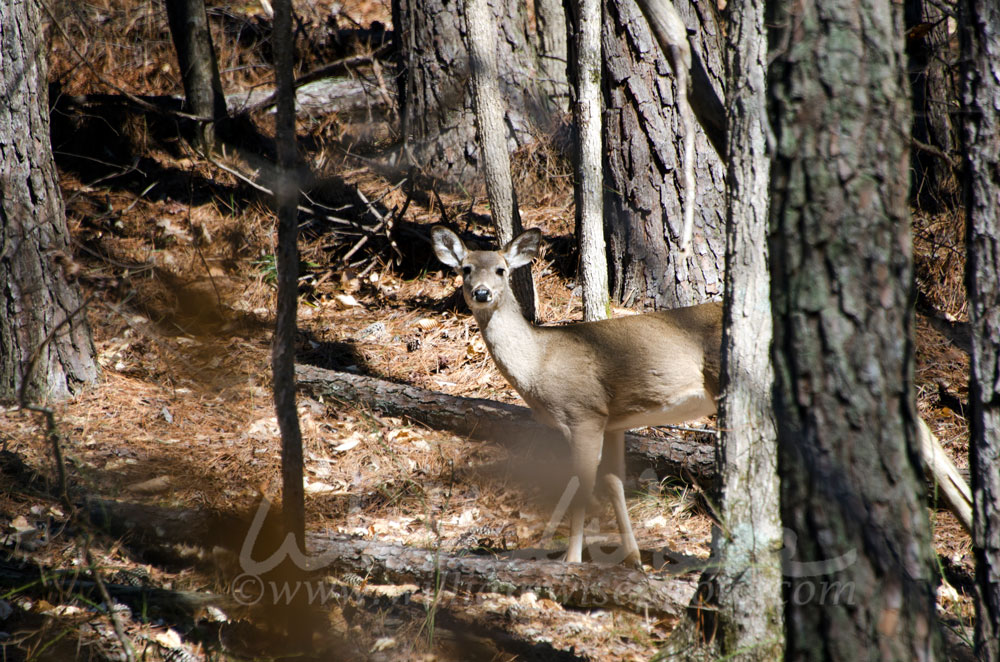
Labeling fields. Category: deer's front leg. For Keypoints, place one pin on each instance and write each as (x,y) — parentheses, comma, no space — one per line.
(586,441)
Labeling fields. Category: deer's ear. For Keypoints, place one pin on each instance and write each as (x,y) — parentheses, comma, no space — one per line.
(447,246)
(523,248)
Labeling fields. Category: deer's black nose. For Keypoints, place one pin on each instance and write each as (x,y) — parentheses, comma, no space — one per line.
(481,294)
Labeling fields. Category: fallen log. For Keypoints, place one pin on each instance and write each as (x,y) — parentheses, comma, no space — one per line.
(503,423)
(582,585)
(62,583)
(944,476)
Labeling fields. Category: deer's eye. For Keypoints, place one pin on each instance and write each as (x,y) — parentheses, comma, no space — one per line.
(466,270)
(501,271)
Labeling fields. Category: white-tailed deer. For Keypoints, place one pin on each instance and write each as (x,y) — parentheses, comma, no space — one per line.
(592,381)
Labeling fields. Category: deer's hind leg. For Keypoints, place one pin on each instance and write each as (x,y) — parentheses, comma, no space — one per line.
(612,473)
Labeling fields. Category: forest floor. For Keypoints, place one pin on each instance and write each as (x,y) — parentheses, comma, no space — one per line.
(176,254)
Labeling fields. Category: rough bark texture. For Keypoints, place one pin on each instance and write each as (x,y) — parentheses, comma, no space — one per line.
(437,120)
(488,107)
(283,349)
(930,64)
(841,279)
(748,580)
(196,57)
(34,241)
(671,34)
(550,22)
(981,105)
(643,205)
(499,422)
(589,184)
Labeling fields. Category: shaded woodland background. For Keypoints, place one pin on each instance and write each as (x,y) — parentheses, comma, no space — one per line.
(178,253)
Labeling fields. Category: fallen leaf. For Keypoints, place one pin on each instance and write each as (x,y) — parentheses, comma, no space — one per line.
(168,639)
(353,441)
(319,488)
(346,301)
(263,429)
(20,524)
(151,486)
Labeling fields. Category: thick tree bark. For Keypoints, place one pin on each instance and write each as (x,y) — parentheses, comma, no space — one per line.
(670,33)
(286,191)
(842,282)
(199,70)
(589,183)
(644,191)
(41,321)
(550,21)
(929,62)
(981,135)
(489,108)
(748,579)
(436,116)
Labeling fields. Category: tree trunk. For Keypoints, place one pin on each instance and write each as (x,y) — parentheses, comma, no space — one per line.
(550,19)
(739,603)
(436,117)
(644,193)
(748,577)
(199,70)
(488,107)
(842,287)
(981,135)
(589,182)
(286,194)
(42,325)
(929,62)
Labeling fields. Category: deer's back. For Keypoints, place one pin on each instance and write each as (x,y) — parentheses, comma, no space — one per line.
(650,369)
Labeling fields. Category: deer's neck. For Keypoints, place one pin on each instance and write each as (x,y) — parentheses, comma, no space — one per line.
(513,342)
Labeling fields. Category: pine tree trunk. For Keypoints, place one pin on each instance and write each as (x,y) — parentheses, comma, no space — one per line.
(929,64)
(41,311)
(436,116)
(748,579)
(981,101)
(192,39)
(643,205)
(841,279)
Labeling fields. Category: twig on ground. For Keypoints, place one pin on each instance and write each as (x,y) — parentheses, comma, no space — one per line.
(109,604)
